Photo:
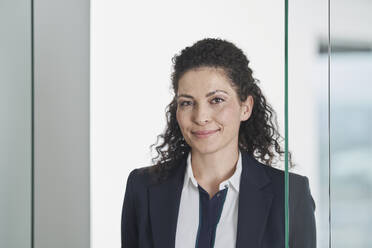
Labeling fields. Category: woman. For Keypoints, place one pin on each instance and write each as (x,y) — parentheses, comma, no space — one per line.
(207,187)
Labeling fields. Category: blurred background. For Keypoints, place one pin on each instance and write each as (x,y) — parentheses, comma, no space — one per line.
(84,86)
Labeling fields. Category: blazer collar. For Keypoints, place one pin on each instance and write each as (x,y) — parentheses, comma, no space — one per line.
(234,180)
(254,204)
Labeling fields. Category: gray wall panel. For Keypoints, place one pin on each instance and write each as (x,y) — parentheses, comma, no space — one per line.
(61,42)
(15,124)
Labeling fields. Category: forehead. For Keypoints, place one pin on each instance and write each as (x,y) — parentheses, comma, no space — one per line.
(198,81)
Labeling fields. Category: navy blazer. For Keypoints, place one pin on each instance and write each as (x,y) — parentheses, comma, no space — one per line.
(150,210)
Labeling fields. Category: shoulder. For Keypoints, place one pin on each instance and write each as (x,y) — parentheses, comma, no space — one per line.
(277,176)
(140,177)
(301,202)
(299,188)
(298,184)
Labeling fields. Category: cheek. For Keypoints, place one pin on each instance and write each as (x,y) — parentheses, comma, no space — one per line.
(228,116)
(178,118)
(181,118)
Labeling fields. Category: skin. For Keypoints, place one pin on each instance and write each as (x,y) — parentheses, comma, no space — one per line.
(213,158)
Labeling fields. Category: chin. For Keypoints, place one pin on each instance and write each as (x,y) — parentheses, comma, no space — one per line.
(205,149)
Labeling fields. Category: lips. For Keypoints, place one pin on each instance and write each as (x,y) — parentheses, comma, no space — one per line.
(205,132)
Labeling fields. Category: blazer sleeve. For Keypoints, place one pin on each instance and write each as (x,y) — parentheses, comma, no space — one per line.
(302,219)
(129,230)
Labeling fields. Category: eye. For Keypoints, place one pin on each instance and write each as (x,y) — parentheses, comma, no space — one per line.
(219,100)
(184,103)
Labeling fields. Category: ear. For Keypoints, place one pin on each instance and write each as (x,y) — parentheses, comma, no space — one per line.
(247,107)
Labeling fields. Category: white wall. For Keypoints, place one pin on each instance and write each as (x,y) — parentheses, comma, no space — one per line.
(132,44)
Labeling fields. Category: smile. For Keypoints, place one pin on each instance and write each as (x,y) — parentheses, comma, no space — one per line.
(204,134)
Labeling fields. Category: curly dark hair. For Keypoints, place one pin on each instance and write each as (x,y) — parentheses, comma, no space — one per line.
(258,135)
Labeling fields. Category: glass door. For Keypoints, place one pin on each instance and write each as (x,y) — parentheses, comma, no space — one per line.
(351,122)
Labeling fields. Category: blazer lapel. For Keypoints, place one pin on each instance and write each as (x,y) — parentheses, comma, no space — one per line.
(254,203)
(164,200)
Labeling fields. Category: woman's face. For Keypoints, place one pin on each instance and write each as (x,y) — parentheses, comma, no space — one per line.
(208,110)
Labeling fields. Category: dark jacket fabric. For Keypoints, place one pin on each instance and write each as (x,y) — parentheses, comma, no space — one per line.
(150,210)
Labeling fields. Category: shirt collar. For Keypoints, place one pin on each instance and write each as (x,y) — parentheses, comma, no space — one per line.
(234,180)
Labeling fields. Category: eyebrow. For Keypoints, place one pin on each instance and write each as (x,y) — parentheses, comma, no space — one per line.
(207,95)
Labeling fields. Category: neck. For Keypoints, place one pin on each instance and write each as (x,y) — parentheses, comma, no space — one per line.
(214,167)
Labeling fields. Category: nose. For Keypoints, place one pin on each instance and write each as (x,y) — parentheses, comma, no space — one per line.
(201,115)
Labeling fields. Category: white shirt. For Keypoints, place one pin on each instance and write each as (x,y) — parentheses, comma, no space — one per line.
(188,216)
